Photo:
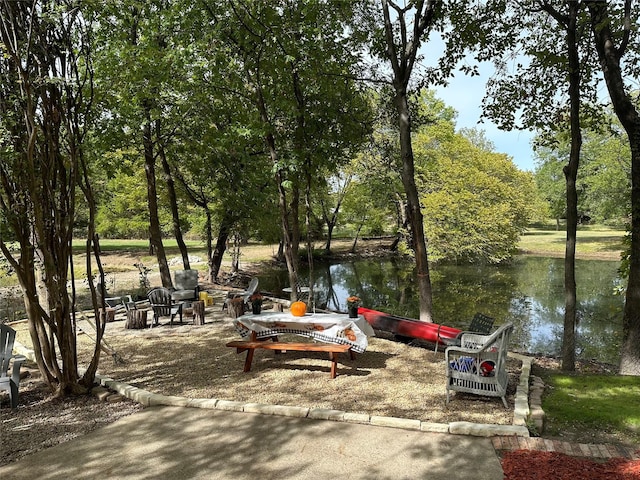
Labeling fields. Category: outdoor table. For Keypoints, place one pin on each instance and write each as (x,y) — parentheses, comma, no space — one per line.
(325,327)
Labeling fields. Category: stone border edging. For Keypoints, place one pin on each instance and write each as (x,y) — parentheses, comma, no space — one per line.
(518,428)
(149,399)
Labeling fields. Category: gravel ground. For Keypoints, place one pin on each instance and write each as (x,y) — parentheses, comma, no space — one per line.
(390,379)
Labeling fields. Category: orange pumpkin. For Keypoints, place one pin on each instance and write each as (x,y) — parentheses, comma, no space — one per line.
(298,309)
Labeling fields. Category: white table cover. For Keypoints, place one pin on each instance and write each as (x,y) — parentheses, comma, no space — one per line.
(325,327)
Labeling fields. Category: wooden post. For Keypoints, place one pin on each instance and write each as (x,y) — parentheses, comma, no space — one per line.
(198,312)
(108,315)
(136,319)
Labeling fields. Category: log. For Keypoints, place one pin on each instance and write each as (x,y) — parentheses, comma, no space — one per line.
(198,312)
(236,307)
(110,315)
(136,319)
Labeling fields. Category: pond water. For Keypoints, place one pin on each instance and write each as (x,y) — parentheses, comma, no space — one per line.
(529,292)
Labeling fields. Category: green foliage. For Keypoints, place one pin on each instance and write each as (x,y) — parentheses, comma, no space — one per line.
(123,212)
(366,207)
(476,203)
(600,402)
(603,184)
(551,183)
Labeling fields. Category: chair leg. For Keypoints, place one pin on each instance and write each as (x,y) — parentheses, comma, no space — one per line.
(13,394)
(12,387)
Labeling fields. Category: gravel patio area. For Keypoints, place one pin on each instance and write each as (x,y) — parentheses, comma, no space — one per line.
(389,379)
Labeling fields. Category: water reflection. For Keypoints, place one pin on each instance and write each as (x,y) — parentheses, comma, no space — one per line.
(529,293)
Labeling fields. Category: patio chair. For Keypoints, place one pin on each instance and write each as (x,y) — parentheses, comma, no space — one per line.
(186,285)
(479,364)
(163,305)
(8,382)
(480,323)
(117,303)
(244,294)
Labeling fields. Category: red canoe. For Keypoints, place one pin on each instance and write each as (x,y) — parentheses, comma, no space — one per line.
(408,327)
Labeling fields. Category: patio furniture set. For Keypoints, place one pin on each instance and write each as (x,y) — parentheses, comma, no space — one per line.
(476,365)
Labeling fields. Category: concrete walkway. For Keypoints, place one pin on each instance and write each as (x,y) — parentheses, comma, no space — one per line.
(181,443)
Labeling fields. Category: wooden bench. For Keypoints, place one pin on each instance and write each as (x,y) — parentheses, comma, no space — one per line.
(251,345)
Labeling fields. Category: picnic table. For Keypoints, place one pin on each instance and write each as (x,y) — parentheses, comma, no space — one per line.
(337,332)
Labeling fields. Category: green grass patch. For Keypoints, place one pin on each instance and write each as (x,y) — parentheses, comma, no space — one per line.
(251,252)
(592,241)
(610,403)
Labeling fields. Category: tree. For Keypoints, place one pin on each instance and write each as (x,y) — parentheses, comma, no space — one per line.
(140,86)
(401,49)
(339,187)
(544,73)
(604,193)
(606,173)
(617,53)
(123,210)
(550,161)
(45,101)
(292,64)
(476,202)
(569,22)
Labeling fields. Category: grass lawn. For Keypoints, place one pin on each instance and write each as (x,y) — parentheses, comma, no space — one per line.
(606,405)
(596,242)
(593,241)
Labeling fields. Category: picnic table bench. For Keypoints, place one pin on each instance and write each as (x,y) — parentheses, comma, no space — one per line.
(251,345)
(336,333)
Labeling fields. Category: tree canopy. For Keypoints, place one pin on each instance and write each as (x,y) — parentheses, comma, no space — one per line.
(239,118)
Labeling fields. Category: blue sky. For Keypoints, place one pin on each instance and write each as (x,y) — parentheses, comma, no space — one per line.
(465,94)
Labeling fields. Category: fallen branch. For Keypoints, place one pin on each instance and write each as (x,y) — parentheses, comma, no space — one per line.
(104,346)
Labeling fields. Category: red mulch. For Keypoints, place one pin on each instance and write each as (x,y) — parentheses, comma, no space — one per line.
(535,465)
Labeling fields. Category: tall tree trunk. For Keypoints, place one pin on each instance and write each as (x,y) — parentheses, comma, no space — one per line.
(303,148)
(289,255)
(155,232)
(307,202)
(221,244)
(289,245)
(402,56)
(45,113)
(630,348)
(414,213)
(209,234)
(156,246)
(173,202)
(610,51)
(92,249)
(294,220)
(571,175)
